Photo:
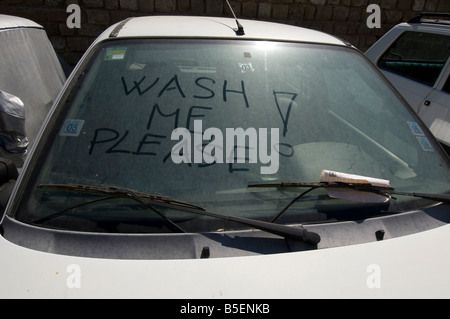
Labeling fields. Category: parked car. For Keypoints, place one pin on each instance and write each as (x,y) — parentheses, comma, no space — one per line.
(197,157)
(414,56)
(31,76)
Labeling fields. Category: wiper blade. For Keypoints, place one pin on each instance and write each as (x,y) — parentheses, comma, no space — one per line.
(351,187)
(337,180)
(297,233)
(327,185)
(112,192)
(363,188)
(124,193)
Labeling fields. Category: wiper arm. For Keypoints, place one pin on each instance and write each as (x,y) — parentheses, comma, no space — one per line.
(351,187)
(383,191)
(281,230)
(445,198)
(149,199)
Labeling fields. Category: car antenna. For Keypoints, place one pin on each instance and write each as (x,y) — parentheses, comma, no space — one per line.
(240,28)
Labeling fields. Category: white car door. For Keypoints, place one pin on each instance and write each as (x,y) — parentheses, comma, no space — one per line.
(434,109)
(412,91)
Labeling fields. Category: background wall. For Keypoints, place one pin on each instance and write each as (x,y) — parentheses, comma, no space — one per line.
(343,18)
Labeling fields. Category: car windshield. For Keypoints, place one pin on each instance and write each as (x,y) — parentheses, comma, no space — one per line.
(199,120)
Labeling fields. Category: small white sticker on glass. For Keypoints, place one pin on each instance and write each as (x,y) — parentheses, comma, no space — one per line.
(246,67)
(71,127)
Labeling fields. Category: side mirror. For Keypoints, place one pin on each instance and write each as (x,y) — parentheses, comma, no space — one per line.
(13,138)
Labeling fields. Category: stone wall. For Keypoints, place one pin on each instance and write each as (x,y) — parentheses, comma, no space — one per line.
(344,18)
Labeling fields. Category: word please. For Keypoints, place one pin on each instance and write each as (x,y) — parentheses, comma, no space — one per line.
(190,149)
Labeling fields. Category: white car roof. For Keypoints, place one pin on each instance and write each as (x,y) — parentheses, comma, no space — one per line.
(10,22)
(213,27)
(423,26)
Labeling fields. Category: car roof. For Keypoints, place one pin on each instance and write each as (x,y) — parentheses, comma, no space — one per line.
(213,27)
(429,22)
(423,26)
(12,22)
(441,18)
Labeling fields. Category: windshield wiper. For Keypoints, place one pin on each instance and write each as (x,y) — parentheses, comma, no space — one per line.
(359,187)
(382,193)
(148,200)
(351,187)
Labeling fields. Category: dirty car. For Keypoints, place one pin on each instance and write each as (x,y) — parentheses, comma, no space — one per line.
(213,158)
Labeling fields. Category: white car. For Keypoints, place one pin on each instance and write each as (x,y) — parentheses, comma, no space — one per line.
(414,56)
(201,157)
(31,76)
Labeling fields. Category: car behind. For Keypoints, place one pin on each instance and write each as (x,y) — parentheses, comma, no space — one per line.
(31,76)
(414,56)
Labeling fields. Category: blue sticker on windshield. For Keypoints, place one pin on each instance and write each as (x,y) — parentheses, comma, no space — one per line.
(71,127)
(425,143)
(415,128)
(420,135)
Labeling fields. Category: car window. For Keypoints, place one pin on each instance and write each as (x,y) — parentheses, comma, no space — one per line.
(198,120)
(419,56)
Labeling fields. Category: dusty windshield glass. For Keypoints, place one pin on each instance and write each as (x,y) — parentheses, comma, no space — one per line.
(198,120)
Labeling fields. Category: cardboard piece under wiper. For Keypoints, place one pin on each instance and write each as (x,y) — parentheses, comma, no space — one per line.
(353,194)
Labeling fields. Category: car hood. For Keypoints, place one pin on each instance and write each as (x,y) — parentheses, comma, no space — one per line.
(413,266)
